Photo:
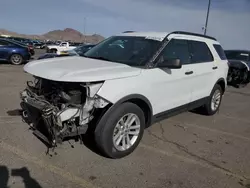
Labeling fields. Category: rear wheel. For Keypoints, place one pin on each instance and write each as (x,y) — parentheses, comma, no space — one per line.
(16,59)
(122,131)
(213,104)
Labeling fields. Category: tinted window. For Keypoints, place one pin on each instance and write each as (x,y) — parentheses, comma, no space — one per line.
(3,43)
(220,51)
(237,55)
(200,52)
(16,43)
(177,49)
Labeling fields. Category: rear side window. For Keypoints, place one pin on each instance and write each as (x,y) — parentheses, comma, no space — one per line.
(200,52)
(220,51)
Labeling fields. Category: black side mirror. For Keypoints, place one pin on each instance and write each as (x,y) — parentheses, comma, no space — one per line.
(171,63)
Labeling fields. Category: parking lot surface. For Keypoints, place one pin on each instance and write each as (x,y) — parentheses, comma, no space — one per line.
(185,151)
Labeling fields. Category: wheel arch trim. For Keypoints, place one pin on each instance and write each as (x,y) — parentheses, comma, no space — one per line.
(222,80)
(126,99)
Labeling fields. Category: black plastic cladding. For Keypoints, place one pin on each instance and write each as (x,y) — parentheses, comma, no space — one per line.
(128,31)
(193,34)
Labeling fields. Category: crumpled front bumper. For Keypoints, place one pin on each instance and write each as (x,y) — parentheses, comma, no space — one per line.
(33,110)
(45,119)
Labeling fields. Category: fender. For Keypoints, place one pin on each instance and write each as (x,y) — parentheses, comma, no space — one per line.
(131,97)
(134,97)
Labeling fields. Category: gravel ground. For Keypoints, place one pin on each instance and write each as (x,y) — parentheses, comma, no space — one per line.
(186,151)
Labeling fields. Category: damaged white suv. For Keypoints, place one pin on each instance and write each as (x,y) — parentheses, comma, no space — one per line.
(123,85)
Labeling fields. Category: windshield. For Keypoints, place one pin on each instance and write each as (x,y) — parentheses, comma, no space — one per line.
(133,51)
(80,50)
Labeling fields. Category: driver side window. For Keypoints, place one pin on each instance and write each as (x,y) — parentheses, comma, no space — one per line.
(177,48)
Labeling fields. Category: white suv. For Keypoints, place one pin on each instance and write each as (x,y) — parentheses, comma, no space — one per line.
(123,85)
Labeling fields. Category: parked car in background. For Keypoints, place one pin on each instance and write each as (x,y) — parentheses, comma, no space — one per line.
(38,44)
(239,67)
(77,51)
(28,45)
(80,50)
(63,46)
(76,43)
(53,55)
(14,52)
(241,55)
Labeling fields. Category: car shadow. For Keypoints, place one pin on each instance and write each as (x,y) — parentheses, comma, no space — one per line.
(15,112)
(199,111)
(5,63)
(88,139)
(23,172)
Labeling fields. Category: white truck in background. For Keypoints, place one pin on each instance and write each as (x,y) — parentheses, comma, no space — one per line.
(63,46)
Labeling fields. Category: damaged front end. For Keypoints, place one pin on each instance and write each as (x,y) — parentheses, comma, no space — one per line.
(238,73)
(57,110)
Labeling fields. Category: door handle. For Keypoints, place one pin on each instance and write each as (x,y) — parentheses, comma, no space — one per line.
(215,68)
(189,72)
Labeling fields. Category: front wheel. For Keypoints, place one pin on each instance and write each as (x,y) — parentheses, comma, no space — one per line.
(16,59)
(213,104)
(122,131)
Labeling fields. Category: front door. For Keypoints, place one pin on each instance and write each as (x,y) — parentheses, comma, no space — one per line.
(173,86)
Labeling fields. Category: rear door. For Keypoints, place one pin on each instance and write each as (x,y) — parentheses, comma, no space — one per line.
(204,68)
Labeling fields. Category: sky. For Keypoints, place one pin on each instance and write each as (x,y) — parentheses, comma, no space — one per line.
(229,20)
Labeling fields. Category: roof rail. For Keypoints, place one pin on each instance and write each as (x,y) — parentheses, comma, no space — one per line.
(193,34)
(128,31)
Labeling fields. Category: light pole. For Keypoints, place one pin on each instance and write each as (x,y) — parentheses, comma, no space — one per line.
(84,29)
(208,10)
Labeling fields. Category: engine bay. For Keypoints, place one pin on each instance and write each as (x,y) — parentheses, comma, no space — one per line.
(56,110)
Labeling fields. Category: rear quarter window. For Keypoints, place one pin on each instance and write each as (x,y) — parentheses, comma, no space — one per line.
(220,51)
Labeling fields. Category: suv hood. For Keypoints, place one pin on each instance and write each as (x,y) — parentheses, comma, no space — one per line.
(79,69)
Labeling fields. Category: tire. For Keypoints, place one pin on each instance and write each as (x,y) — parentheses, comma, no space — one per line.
(16,59)
(107,130)
(213,104)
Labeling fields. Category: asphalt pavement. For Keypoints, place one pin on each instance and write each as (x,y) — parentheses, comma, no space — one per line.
(186,151)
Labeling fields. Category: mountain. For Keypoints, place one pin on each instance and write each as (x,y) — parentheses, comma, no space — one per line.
(66,34)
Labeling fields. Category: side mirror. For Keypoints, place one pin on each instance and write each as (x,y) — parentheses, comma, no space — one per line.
(171,63)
